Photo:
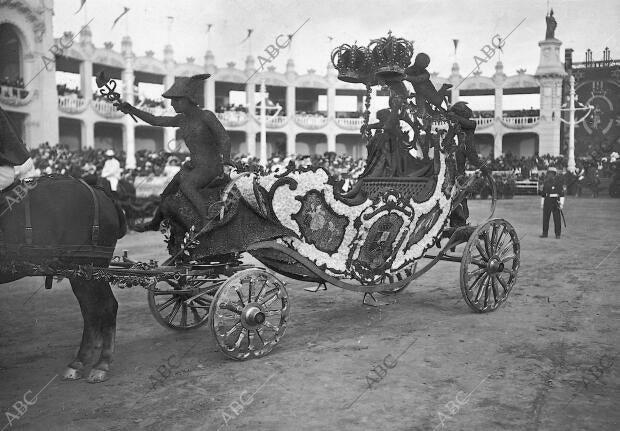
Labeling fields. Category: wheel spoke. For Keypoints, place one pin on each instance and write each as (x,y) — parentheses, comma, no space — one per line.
(494,286)
(479,263)
(507,258)
(485,238)
(476,280)
(232,329)
(486,292)
(174,311)
(240,297)
(508,271)
(166,304)
(195,314)
(482,251)
(484,280)
(183,314)
(503,283)
(494,230)
(259,336)
(476,272)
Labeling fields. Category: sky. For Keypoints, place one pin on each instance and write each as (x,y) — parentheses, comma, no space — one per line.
(432,24)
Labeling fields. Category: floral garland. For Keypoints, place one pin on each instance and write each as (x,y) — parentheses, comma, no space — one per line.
(285,203)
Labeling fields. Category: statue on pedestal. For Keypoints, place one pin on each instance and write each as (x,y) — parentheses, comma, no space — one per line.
(551,26)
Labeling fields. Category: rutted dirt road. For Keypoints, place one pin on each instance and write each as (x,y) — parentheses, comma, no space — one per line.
(549,359)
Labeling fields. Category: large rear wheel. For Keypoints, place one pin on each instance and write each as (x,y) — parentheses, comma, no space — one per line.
(489,265)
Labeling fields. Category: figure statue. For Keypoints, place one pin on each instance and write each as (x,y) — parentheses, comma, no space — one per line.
(205,137)
(424,89)
(465,151)
(551,26)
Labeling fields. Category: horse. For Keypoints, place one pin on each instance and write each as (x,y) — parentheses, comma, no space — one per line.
(55,222)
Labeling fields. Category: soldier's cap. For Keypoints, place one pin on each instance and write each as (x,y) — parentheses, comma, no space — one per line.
(187,87)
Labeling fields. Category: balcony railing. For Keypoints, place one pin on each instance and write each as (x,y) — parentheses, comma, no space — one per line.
(157,110)
(14,96)
(274,122)
(72,104)
(481,123)
(520,122)
(310,121)
(106,109)
(233,118)
(350,123)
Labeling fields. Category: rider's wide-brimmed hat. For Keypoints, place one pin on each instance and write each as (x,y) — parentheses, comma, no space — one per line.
(110,153)
(187,87)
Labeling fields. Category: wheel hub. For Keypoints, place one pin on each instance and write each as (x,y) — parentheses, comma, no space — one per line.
(495,265)
(252,316)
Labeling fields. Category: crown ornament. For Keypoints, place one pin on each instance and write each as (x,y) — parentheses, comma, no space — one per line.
(352,63)
(390,56)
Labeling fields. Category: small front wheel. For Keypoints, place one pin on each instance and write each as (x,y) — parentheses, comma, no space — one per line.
(489,265)
(249,314)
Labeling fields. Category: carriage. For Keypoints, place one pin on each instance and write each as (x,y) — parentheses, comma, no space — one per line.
(298,224)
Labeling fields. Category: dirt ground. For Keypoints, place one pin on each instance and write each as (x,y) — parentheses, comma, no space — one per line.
(549,359)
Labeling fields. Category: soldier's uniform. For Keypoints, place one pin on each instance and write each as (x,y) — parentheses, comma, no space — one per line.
(552,201)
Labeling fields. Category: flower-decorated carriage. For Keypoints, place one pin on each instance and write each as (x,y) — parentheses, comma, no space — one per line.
(375,238)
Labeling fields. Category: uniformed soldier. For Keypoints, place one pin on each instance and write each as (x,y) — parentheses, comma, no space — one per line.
(552,201)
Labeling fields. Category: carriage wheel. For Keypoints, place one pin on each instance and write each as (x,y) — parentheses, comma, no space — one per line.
(489,265)
(168,301)
(249,314)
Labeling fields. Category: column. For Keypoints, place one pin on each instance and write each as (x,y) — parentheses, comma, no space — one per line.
(250,94)
(497,144)
(86,79)
(87,135)
(210,94)
(331,102)
(331,142)
(251,140)
(290,101)
(499,92)
(170,136)
(291,143)
(129,139)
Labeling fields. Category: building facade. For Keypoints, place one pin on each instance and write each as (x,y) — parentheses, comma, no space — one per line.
(303,125)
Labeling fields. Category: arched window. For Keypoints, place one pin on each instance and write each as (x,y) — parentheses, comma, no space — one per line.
(10,54)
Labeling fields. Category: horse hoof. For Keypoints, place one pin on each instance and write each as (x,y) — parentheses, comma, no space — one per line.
(72,374)
(97,376)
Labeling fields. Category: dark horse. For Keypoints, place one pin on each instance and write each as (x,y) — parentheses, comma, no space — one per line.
(63,214)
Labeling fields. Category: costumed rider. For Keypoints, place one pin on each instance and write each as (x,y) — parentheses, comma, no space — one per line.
(552,201)
(464,152)
(205,137)
(15,161)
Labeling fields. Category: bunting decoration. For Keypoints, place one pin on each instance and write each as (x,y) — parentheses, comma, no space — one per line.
(81,6)
(126,9)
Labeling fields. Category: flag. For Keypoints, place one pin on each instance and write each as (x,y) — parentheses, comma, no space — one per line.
(456,44)
(81,6)
(126,9)
(250,31)
(209,27)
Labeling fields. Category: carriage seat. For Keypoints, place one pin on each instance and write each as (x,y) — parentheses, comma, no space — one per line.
(417,188)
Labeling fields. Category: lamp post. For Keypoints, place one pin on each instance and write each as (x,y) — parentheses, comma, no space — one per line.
(263,124)
(572,100)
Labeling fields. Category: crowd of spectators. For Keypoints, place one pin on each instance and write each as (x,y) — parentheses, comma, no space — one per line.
(63,90)
(344,169)
(510,114)
(12,87)
(15,83)
(231,108)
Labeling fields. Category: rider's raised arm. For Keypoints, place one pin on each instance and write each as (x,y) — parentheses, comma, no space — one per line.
(153,120)
(221,135)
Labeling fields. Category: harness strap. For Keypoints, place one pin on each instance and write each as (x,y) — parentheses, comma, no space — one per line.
(28,227)
(95,223)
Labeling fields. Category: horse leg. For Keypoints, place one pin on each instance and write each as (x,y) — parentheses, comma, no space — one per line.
(108,307)
(91,336)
